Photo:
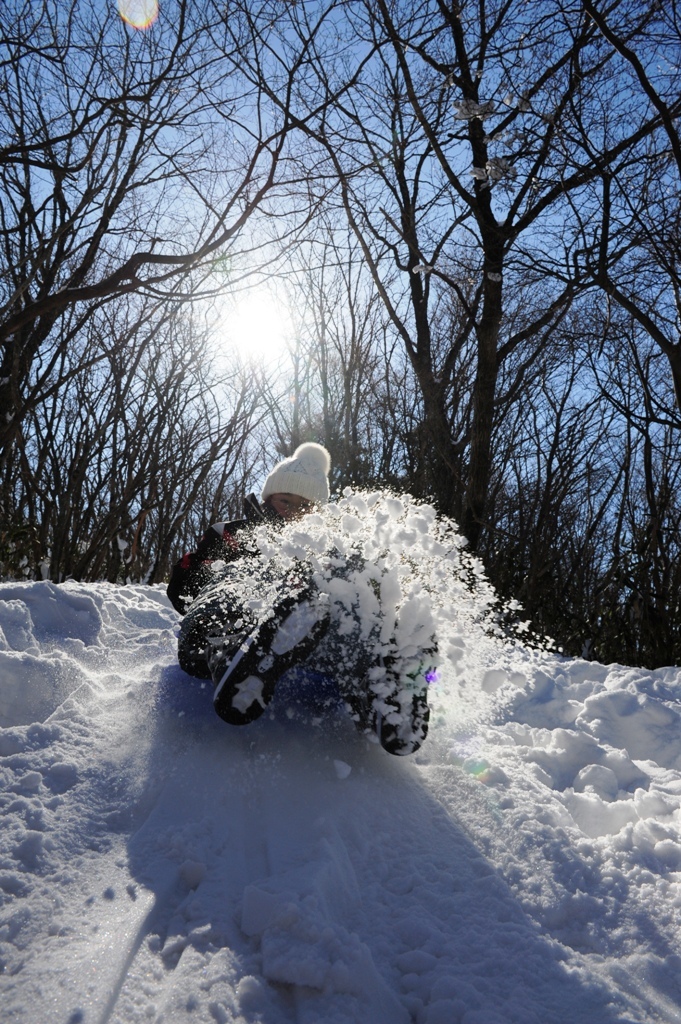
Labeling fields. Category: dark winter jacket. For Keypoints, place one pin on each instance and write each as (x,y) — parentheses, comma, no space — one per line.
(220,542)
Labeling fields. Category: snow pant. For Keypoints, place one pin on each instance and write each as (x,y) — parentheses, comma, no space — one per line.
(219,610)
(216,611)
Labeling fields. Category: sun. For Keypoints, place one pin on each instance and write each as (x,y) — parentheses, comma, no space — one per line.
(139,14)
(256,325)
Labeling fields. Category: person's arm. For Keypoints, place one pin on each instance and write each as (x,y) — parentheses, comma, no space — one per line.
(193,572)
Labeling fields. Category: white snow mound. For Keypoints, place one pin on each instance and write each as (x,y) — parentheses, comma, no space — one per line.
(524,867)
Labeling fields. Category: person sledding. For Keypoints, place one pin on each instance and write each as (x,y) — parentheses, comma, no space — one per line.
(245,652)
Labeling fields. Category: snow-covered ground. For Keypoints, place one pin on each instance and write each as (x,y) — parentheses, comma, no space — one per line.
(159,865)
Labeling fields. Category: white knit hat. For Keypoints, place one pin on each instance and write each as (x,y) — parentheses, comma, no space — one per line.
(305,474)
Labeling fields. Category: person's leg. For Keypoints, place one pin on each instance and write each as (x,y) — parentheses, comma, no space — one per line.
(246,672)
(214,615)
(387,697)
(401,707)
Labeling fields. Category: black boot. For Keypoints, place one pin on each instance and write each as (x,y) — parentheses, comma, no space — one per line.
(394,706)
(245,666)
(402,726)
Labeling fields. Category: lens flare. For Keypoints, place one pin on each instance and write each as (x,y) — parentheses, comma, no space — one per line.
(138,13)
(480,770)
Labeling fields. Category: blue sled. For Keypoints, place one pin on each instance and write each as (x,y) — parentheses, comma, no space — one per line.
(299,693)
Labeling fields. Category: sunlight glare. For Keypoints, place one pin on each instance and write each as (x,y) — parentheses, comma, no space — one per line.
(257,326)
(138,13)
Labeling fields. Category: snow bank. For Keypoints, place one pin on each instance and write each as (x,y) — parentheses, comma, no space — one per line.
(523,866)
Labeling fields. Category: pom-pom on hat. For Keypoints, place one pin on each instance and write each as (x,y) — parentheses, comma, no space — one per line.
(306,473)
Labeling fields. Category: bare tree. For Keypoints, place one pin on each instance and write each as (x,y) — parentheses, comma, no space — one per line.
(634,253)
(557,469)
(638,599)
(329,381)
(111,467)
(453,135)
(584,496)
(339,337)
(129,162)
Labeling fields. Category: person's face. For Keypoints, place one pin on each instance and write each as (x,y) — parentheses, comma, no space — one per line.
(289,506)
